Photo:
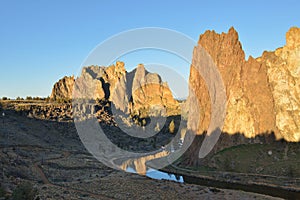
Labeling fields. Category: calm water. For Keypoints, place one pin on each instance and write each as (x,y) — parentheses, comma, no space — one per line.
(267,190)
(156,174)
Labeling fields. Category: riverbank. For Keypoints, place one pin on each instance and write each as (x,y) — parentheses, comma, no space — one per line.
(261,184)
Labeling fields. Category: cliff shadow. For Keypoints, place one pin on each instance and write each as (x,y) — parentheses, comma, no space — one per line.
(106,88)
(263,154)
(142,135)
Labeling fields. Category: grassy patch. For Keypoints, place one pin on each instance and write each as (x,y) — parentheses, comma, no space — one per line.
(271,159)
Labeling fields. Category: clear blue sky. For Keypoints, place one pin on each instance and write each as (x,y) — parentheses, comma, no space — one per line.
(41,41)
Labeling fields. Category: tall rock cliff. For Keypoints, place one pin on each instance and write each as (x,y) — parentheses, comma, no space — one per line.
(262,94)
(151,95)
(63,88)
(142,93)
(283,71)
(98,82)
(138,92)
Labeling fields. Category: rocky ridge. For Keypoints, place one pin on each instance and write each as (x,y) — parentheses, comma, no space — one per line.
(262,94)
(143,93)
(137,93)
(63,88)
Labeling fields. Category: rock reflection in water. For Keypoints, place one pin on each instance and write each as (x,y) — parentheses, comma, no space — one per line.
(139,164)
(159,175)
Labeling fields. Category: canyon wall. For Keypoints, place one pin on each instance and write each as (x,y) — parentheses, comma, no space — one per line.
(263,94)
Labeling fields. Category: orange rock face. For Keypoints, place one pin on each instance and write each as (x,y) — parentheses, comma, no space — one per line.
(262,94)
(63,88)
(151,95)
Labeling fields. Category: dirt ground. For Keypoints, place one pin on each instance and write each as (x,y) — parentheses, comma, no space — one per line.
(50,155)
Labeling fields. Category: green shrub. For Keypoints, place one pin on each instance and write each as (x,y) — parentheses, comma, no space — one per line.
(24,191)
(290,172)
(2,192)
(228,164)
(28,98)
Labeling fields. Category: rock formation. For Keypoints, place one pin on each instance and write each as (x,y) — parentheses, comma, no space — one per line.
(263,94)
(283,70)
(63,88)
(98,82)
(137,93)
(150,96)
